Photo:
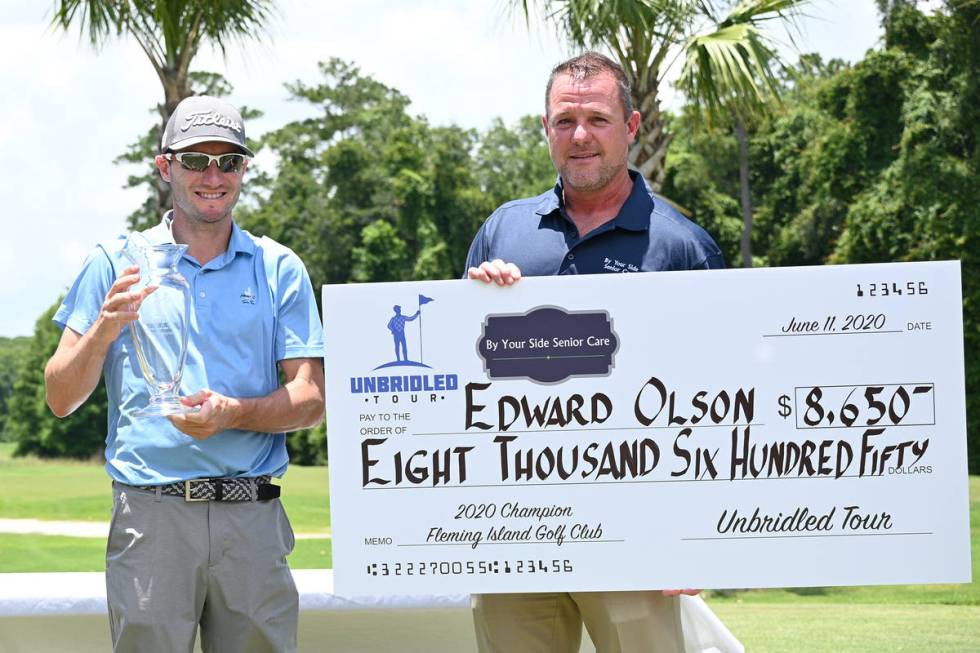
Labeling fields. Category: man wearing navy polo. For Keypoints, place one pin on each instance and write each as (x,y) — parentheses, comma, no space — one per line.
(198,536)
(600,217)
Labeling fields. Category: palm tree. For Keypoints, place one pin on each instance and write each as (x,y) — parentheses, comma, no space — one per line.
(170,33)
(728,64)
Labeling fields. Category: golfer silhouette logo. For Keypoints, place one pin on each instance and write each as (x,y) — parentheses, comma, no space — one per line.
(396,325)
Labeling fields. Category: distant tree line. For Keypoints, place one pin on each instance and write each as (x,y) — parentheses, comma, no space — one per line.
(12,353)
(870,162)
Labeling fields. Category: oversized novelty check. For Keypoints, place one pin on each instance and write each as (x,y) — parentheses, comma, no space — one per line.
(733,428)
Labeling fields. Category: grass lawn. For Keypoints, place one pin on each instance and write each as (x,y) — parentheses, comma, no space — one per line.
(82,491)
(22,553)
(843,628)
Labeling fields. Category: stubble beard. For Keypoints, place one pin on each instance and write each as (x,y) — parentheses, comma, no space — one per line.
(184,200)
(589,180)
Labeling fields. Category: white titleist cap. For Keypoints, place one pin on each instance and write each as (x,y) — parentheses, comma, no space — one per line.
(202,119)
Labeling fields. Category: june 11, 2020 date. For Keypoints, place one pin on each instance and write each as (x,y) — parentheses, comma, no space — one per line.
(853,323)
(469,567)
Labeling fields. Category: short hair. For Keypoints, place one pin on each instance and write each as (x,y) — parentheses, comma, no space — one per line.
(588,65)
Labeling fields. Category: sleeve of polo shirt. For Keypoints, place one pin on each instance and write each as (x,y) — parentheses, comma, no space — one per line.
(299,333)
(83,303)
(713,262)
(479,249)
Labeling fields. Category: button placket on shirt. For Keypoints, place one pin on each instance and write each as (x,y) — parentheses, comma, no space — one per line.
(203,289)
(201,292)
(568,264)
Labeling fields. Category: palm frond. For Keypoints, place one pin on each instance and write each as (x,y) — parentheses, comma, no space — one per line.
(167,30)
(760,10)
(618,25)
(728,70)
(733,68)
(99,20)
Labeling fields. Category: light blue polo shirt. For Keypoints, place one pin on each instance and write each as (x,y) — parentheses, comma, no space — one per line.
(252,306)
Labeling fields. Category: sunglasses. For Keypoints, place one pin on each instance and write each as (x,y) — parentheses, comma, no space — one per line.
(199,161)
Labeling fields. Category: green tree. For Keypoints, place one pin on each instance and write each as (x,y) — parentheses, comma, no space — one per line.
(924,203)
(366,191)
(382,255)
(838,129)
(170,33)
(513,162)
(729,77)
(12,352)
(29,422)
(702,175)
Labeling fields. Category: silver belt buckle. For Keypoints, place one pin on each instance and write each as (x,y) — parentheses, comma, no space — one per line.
(187,489)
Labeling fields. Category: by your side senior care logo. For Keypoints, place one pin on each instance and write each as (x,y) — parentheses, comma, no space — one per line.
(407,372)
(548,344)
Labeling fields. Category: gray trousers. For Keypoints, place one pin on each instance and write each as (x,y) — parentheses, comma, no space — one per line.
(617,622)
(172,565)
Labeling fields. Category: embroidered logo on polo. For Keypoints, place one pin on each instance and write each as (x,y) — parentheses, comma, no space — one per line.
(248,296)
(615,265)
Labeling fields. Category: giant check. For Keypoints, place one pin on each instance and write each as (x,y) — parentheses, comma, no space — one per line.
(734,428)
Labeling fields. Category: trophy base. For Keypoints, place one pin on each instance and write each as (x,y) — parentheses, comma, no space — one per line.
(165,406)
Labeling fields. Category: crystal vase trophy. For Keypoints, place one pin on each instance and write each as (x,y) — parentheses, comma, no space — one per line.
(160,333)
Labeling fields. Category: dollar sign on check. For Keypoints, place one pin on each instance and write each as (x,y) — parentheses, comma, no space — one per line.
(784,406)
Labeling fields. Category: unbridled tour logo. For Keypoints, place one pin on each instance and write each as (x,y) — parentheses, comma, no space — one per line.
(405,372)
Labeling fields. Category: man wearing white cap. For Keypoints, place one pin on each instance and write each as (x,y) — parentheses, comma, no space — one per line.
(198,536)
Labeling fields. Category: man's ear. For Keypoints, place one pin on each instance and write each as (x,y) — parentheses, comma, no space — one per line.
(163,165)
(633,125)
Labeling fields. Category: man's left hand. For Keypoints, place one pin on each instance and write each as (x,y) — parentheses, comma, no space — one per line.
(215,413)
(496,271)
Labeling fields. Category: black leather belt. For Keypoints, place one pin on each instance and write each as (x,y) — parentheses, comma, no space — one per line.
(220,489)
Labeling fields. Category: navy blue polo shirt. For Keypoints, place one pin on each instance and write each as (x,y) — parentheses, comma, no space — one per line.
(647,235)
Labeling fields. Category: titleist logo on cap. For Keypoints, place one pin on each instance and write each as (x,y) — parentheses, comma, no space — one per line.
(202,118)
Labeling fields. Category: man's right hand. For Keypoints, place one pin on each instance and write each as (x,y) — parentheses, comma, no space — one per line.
(686,592)
(503,274)
(76,366)
(121,305)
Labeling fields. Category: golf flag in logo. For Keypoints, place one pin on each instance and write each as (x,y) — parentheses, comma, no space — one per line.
(423,300)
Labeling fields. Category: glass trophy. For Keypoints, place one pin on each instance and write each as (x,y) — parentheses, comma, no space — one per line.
(160,333)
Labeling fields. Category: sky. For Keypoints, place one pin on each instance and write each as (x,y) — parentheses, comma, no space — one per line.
(67,111)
